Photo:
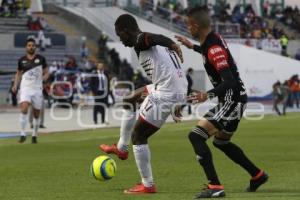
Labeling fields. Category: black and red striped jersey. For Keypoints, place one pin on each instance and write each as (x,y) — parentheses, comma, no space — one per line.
(218,59)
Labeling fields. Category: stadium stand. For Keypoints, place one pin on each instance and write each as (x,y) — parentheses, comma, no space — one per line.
(240,22)
(103,18)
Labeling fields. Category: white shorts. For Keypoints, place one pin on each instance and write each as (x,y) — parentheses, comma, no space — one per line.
(34,97)
(155,110)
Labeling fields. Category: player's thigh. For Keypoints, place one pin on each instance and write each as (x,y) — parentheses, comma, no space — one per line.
(208,126)
(220,117)
(155,111)
(37,100)
(25,100)
(142,131)
(230,121)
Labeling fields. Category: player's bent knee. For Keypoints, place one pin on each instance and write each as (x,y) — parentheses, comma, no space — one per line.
(198,137)
(198,133)
(220,143)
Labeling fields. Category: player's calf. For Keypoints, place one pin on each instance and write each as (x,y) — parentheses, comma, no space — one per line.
(198,139)
(237,155)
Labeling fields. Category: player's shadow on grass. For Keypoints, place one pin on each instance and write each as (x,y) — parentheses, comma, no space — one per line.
(280,191)
(264,193)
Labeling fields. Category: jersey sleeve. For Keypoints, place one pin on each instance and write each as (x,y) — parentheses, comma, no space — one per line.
(147,40)
(218,57)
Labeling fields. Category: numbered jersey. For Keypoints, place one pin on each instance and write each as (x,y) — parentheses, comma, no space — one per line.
(162,68)
(32,72)
(216,56)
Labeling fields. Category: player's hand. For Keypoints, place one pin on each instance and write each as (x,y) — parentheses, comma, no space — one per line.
(177,115)
(177,49)
(14,89)
(184,41)
(197,97)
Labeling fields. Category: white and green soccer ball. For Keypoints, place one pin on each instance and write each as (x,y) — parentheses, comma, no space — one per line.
(103,168)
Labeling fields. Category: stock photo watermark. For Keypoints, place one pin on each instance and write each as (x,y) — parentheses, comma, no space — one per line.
(161,108)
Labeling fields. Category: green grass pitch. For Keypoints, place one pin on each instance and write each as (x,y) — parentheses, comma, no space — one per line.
(58,167)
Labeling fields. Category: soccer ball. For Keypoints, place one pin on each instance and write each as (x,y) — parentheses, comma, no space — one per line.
(103,168)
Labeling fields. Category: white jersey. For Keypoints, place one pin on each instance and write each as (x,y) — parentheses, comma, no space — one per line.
(32,72)
(163,69)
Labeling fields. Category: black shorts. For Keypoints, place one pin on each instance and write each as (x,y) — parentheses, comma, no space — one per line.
(226,115)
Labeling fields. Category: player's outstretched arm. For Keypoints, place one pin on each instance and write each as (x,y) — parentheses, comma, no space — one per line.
(147,40)
(184,41)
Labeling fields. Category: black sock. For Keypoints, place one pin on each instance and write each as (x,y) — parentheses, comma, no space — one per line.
(237,155)
(198,139)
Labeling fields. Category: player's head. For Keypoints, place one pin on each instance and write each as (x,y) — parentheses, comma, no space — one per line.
(127,28)
(30,46)
(198,20)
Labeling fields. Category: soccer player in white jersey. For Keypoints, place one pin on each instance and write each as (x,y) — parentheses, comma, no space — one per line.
(156,54)
(32,70)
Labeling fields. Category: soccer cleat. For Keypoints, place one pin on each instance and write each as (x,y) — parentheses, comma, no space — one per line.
(211,191)
(123,155)
(140,189)
(34,140)
(22,139)
(42,126)
(257,181)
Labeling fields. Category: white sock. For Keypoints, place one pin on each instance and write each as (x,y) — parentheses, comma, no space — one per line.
(128,121)
(23,123)
(36,123)
(142,158)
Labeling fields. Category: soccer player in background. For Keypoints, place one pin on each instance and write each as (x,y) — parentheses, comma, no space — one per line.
(32,71)
(156,54)
(221,121)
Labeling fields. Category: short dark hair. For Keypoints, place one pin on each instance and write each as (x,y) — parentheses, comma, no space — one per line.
(200,15)
(30,40)
(127,21)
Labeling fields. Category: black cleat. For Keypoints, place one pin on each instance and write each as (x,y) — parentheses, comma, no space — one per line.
(34,140)
(42,126)
(211,191)
(22,139)
(255,184)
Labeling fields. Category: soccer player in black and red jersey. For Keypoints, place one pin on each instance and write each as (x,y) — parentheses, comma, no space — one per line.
(222,121)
